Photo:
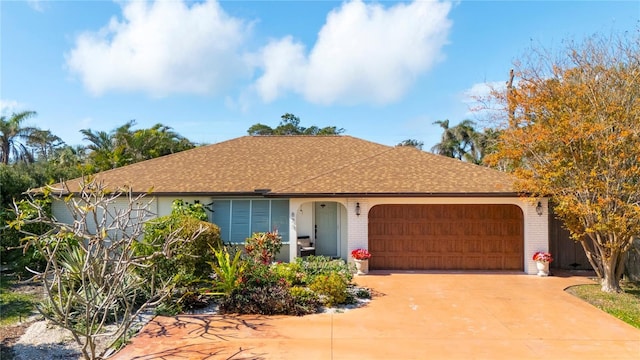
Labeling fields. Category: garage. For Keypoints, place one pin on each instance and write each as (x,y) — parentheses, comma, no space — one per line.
(446,237)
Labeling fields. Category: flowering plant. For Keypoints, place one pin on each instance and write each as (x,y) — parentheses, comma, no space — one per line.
(360,254)
(542,256)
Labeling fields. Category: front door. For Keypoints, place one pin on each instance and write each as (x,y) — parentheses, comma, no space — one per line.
(326,228)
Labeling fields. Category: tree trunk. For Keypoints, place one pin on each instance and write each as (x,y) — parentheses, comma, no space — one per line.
(611,281)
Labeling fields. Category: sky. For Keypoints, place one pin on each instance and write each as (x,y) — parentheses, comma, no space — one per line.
(384,71)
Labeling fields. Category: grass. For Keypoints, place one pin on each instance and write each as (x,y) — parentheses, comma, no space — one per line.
(15,306)
(625,306)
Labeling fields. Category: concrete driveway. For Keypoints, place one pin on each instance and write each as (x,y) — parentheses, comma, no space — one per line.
(413,316)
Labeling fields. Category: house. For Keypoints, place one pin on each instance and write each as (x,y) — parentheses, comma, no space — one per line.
(329,195)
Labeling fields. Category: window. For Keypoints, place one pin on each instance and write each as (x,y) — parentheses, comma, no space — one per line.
(238,219)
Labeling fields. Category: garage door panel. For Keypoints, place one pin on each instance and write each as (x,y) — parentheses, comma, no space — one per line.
(493,245)
(494,262)
(472,262)
(453,262)
(453,245)
(513,247)
(418,245)
(449,237)
(472,246)
(513,262)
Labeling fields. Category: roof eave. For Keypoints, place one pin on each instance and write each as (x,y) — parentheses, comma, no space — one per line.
(400,194)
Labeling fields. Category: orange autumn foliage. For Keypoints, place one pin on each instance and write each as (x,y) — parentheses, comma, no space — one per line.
(572,132)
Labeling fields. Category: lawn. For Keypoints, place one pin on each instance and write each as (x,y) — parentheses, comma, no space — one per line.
(625,306)
(15,305)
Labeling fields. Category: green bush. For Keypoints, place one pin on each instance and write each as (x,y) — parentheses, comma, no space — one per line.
(263,247)
(290,272)
(313,266)
(228,271)
(260,275)
(187,267)
(188,261)
(361,293)
(271,299)
(12,250)
(332,288)
(305,300)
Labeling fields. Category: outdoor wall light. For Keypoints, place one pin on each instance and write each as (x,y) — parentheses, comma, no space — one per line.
(539,208)
(358,209)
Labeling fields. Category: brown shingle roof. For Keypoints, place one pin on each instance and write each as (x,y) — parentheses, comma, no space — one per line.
(306,165)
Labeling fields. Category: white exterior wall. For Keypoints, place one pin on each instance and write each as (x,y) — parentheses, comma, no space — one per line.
(353,229)
(536,232)
(536,227)
(61,212)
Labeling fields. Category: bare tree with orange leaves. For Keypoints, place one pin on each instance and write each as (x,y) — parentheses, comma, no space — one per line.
(572,132)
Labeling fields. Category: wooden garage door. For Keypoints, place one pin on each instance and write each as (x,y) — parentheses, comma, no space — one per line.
(446,237)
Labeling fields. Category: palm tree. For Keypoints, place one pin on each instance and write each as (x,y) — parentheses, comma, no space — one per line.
(466,137)
(412,143)
(124,146)
(448,145)
(463,142)
(13,137)
(43,143)
(101,147)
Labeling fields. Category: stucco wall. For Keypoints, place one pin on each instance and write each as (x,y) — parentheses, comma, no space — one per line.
(60,211)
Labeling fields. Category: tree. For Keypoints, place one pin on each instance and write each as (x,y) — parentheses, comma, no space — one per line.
(102,155)
(448,144)
(13,137)
(412,143)
(90,279)
(290,125)
(260,129)
(124,146)
(44,143)
(572,132)
(464,142)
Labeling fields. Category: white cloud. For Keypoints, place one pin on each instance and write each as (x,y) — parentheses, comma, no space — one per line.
(36,5)
(161,48)
(364,53)
(478,101)
(8,107)
(482,90)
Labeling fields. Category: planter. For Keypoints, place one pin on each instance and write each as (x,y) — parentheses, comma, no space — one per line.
(362,266)
(543,268)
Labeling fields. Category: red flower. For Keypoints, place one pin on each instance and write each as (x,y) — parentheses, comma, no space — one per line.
(360,254)
(542,256)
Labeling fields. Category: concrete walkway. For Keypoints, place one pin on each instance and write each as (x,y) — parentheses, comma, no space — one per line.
(413,316)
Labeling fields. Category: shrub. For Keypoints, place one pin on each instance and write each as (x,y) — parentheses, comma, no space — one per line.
(313,266)
(290,272)
(332,288)
(271,299)
(263,247)
(13,249)
(186,262)
(260,275)
(228,272)
(305,300)
(362,293)
(185,267)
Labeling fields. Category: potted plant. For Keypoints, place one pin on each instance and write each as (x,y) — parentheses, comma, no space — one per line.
(361,259)
(542,260)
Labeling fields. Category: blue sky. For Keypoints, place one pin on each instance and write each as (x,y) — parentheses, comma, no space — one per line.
(383,71)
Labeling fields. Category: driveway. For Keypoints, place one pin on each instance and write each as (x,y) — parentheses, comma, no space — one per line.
(414,315)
